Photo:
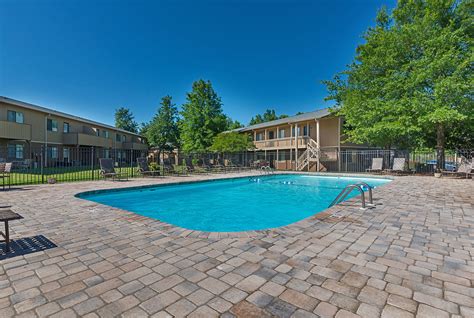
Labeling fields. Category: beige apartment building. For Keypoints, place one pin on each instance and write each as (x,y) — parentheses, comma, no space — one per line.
(309,141)
(25,128)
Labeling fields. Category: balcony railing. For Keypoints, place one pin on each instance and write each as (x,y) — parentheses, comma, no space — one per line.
(134,145)
(12,130)
(86,140)
(282,143)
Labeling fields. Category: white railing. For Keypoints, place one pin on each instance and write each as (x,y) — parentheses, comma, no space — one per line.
(312,152)
(288,142)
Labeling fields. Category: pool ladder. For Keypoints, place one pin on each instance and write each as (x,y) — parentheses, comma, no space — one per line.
(348,189)
(266,170)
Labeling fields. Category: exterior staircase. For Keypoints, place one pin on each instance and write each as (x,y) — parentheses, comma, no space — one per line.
(311,154)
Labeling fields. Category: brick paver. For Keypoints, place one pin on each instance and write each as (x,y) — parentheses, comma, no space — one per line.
(411,256)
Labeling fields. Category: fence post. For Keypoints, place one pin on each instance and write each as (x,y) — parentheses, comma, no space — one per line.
(42,164)
(131,160)
(92,162)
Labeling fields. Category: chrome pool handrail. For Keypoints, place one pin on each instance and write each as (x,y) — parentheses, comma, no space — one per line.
(346,191)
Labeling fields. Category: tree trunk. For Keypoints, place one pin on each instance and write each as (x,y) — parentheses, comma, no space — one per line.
(440,141)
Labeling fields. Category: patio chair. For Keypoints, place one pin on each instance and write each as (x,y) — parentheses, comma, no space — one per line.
(193,169)
(213,167)
(464,170)
(377,164)
(5,217)
(107,170)
(203,166)
(398,166)
(229,165)
(217,165)
(5,170)
(168,168)
(144,169)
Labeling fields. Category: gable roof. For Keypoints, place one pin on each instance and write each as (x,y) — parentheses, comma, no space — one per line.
(15,102)
(320,113)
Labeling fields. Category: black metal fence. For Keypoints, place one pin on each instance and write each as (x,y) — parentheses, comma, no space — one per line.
(40,164)
(56,163)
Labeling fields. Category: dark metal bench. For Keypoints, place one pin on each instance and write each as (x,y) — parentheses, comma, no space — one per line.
(5,217)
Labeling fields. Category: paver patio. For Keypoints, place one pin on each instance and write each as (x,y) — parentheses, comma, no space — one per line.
(411,256)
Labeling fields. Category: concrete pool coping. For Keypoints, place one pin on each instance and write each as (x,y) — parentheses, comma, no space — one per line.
(175,230)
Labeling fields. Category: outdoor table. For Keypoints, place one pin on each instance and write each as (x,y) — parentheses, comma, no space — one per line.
(5,217)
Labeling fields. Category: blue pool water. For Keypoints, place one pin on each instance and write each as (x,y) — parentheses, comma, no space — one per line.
(232,205)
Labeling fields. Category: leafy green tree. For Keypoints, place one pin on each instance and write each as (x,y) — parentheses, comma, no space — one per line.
(232,142)
(411,81)
(202,118)
(162,132)
(231,124)
(124,119)
(267,116)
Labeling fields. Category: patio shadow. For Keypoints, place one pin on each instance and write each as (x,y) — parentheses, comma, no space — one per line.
(26,245)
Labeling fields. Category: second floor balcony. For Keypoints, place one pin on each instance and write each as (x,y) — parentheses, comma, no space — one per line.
(134,146)
(16,131)
(82,139)
(282,143)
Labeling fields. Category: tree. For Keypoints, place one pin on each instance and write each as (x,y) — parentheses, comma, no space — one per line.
(202,118)
(267,116)
(162,132)
(125,120)
(411,81)
(232,142)
(231,124)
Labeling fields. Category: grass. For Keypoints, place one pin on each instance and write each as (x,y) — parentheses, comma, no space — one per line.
(72,174)
(69,174)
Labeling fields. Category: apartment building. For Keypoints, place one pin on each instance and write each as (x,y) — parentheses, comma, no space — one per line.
(309,141)
(25,128)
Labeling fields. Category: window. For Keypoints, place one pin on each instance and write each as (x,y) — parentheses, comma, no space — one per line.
(118,138)
(299,131)
(53,152)
(97,132)
(281,133)
(15,151)
(105,134)
(124,138)
(52,125)
(305,130)
(107,153)
(271,134)
(66,154)
(66,128)
(16,117)
(259,136)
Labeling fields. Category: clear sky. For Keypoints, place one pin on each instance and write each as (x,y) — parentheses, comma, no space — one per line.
(90,57)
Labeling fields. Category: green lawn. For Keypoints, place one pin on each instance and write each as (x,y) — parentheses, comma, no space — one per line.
(72,174)
(34,176)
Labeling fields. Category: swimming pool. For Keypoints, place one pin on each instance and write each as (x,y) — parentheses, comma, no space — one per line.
(233,204)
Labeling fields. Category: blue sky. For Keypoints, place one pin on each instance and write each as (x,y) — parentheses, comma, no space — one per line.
(91,57)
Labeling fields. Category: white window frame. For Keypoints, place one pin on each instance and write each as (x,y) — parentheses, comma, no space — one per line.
(19,117)
(54,128)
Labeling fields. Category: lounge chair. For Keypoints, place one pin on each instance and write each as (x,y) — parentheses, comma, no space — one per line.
(464,170)
(213,167)
(203,166)
(107,170)
(193,169)
(168,168)
(398,166)
(5,170)
(5,217)
(218,166)
(377,165)
(144,169)
(230,166)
